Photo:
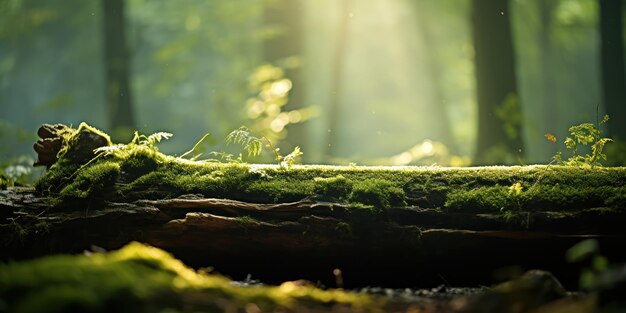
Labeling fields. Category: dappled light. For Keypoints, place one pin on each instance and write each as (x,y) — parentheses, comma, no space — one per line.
(322,156)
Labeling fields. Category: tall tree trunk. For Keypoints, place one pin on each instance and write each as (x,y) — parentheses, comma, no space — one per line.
(546,63)
(288,15)
(117,63)
(495,80)
(439,107)
(337,78)
(613,68)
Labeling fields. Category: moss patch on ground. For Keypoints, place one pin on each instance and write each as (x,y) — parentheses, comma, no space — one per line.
(139,170)
(139,278)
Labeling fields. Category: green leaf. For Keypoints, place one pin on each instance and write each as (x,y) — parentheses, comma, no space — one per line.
(582,250)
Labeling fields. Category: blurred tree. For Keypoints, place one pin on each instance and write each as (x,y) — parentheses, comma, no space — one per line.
(439,108)
(545,63)
(284,47)
(613,67)
(117,64)
(337,78)
(499,113)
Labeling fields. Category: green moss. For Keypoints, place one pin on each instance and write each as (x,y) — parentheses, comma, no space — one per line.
(56,177)
(377,192)
(336,187)
(78,145)
(139,278)
(246,221)
(490,199)
(139,161)
(92,180)
(143,171)
(4,182)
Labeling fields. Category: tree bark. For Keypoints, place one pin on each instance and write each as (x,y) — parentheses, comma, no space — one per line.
(613,67)
(117,66)
(495,77)
(306,239)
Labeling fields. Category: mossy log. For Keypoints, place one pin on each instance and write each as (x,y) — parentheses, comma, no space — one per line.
(393,226)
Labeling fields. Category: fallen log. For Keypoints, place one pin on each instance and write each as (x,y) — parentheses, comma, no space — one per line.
(393,226)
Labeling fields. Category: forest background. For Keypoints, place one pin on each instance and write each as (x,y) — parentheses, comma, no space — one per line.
(391,82)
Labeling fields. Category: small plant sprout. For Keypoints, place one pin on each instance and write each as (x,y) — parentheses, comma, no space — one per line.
(290,159)
(583,135)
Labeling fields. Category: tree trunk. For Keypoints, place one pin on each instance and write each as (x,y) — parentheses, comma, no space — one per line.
(495,81)
(546,63)
(337,79)
(613,67)
(117,64)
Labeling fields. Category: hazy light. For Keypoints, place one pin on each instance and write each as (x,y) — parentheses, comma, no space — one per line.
(280,88)
(427,147)
(295,116)
(255,109)
(402,159)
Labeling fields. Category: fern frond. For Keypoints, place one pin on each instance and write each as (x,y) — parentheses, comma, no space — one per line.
(156,137)
(253,145)
(108,150)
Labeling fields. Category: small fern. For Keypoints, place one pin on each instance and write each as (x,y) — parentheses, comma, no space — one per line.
(151,140)
(253,145)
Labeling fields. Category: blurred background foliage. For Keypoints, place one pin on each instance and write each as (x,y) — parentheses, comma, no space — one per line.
(371,81)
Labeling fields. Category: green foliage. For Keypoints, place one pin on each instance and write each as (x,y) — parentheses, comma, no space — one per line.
(510,113)
(288,161)
(150,141)
(251,144)
(596,273)
(16,172)
(583,135)
(254,146)
(195,147)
